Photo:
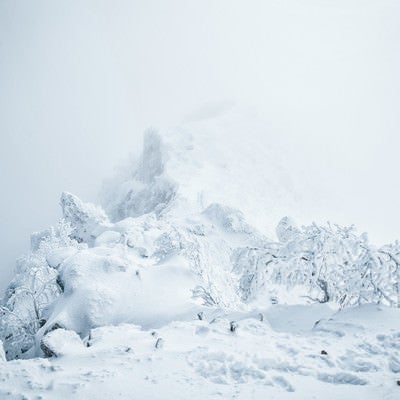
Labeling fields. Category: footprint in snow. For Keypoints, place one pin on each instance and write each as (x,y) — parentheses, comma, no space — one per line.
(341,378)
(283,383)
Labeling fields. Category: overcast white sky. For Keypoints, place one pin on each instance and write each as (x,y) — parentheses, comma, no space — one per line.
(81,80)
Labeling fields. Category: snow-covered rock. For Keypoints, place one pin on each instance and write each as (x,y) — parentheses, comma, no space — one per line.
(146,188)
(60,342)
(57,256)
(86,219)
(227,218)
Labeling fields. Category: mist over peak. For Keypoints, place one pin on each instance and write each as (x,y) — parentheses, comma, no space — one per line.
(226,257)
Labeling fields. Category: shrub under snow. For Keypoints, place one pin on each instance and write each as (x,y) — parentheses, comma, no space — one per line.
(333,263)
(35,286)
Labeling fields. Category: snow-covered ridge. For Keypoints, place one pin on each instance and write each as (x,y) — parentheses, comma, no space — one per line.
(167,252)
(162,258)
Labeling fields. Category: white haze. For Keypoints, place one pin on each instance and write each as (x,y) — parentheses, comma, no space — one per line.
(80,81)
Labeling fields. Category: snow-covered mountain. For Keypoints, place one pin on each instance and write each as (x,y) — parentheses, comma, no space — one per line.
(210,159)
(177,287)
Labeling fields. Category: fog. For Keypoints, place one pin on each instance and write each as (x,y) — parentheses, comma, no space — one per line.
(80,81)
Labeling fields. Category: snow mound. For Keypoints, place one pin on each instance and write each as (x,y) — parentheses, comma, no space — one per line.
(106,289)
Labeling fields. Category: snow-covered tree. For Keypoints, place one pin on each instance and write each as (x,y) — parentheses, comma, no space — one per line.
(34,287)
(333,263)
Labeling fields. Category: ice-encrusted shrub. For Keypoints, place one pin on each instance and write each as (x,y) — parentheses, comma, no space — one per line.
(333,263)
(330,260)
(33,288)
(389,286)
(207,255)
(251,264)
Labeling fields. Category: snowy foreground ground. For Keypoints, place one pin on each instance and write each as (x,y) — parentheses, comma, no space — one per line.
(174,289)
(278,358)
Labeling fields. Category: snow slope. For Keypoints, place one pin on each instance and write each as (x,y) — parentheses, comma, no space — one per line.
(203,359)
